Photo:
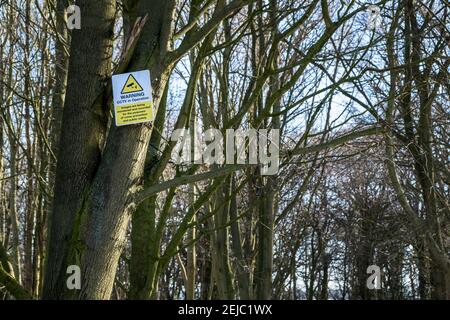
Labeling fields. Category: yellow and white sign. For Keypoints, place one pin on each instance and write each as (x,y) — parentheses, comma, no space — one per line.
(132,95)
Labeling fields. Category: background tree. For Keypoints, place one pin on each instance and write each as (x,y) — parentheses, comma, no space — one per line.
(363,177)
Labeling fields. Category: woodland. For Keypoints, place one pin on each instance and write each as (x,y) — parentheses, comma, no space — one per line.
(359,92)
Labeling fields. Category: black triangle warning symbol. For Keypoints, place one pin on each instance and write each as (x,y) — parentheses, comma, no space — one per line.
(131,85)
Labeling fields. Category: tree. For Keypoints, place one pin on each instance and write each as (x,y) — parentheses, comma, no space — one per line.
(353,105)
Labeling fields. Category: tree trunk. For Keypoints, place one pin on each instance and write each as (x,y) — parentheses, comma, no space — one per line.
(81,140)
(221,255)
(120,172)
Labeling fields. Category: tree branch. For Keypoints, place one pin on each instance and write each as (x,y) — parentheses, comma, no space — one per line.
(191,41)
(6,279)
(335,142)
(151,190)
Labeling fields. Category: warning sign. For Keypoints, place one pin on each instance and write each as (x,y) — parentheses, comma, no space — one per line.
(132,98)
(131,85)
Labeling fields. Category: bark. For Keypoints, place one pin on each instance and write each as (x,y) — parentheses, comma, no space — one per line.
(144,240)
(13,217)
(30,210)
(8,281)
(2,204)
(60,81)
(110,202)
(326,259)
(221,254)
(263,273)
(191,266)
(81,140)
(268,205)
(13,286)
(242,268)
